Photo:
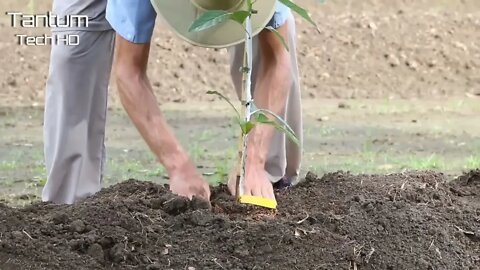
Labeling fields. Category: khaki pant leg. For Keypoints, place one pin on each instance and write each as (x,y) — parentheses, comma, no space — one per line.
(75,116)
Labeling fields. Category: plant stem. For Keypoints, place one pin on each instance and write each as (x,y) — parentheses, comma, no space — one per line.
(248,100)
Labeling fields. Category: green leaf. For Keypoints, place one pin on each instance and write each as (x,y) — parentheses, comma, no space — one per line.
(250,5)
(247,126)
(240,16)
(226,99)
(209,19)
(260,117)
(278,36)
(300,11)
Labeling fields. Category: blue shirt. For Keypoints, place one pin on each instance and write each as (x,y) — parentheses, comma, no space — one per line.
(280,16)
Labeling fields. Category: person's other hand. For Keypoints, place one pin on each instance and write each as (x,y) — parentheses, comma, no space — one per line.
(187,182)
(257,184)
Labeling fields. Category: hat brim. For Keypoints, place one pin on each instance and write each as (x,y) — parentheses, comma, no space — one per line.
(180,14)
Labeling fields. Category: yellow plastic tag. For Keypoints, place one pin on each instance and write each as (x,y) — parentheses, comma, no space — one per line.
(259,201)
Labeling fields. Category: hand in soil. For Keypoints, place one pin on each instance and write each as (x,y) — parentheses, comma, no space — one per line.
(232,181)
(256,184)
(188,183)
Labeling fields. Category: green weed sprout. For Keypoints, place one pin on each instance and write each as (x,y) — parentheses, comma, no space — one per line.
(252,115)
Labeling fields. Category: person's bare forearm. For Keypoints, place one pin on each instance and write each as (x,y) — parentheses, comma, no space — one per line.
(140,104)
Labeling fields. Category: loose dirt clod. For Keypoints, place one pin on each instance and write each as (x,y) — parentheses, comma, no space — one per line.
(411,220)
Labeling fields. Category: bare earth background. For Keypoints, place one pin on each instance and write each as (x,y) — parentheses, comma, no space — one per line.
(366,49)
(387,86)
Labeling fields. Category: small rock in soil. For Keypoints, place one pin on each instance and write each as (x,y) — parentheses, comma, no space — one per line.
(200,218)
(96,251)
(176,205)
(157,203)
(423,264)
(359,198)
(198,203)
(60,218)
(117,253)
(77,226)
(106,242)
(17,234)
(242,252)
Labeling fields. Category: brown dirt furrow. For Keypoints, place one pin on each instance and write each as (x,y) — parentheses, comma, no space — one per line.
(415,220)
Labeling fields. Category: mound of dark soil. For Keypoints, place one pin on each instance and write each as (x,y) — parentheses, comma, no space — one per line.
(416,220)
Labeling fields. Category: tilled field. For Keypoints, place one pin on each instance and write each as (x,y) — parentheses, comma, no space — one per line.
(415,220)
(365,49)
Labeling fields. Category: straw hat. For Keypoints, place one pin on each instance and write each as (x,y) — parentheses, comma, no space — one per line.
(180,14)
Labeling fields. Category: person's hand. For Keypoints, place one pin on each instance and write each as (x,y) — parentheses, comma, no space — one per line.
(187,182)
(232,179)
(256,184)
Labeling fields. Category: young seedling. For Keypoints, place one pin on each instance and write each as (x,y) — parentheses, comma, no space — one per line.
(252,115)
